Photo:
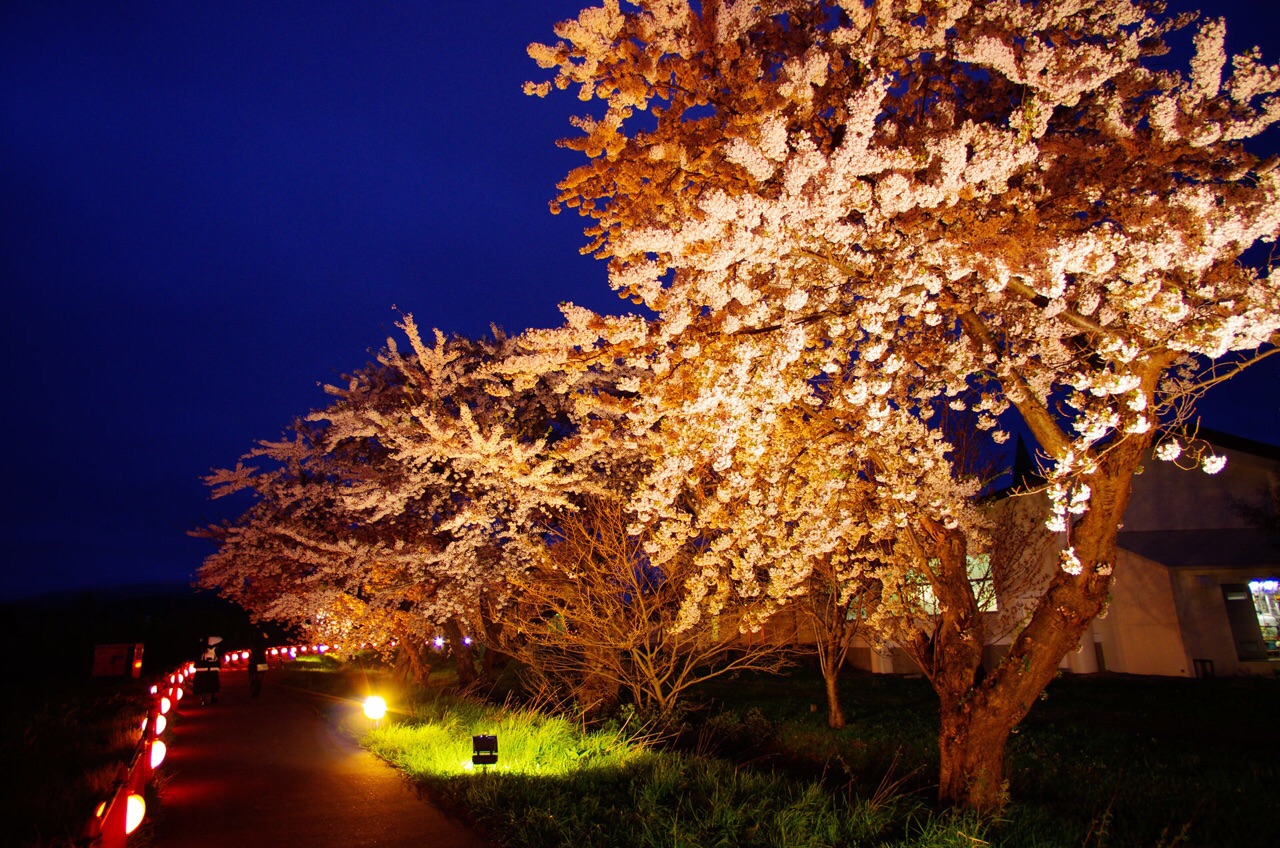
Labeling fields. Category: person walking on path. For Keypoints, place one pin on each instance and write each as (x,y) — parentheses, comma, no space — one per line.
(208,680)
(257,667)
(281,771)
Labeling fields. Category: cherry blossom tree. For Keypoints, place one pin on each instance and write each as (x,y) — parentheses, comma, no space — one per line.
(403,508)
(877,210)
(594,615)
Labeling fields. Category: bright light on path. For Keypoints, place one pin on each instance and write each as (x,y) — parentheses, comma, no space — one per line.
(375,707)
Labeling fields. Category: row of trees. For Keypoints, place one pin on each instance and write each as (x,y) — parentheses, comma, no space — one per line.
(853,225)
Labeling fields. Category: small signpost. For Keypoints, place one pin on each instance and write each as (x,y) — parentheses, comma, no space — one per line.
(124,660)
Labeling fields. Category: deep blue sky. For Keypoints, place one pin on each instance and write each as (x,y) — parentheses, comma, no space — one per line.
(210,209)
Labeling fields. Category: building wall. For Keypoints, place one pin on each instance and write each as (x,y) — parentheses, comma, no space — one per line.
(1141,633)
(1166,496)
(1203,618)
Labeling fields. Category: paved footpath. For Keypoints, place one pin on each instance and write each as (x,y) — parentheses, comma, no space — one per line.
(279,771)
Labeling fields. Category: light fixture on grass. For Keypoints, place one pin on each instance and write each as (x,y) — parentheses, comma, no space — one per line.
(484,750)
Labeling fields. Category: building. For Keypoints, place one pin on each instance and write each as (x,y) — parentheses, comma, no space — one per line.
(1196,585)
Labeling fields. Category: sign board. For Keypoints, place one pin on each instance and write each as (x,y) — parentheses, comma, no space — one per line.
(123,660)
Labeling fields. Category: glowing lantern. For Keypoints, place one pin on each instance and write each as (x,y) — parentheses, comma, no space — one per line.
(135,809)
(375,707)
(158,751)
(177,693)
(102,808)
(165,705)
(161,724)
(155,690)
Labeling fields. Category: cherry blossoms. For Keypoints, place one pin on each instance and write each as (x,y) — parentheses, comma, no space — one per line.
(850,215)
(875,240)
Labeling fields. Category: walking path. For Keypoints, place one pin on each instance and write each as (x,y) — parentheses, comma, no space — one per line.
(276,771)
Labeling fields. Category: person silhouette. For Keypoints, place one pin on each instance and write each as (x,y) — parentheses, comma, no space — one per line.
(207,681)
(257,666)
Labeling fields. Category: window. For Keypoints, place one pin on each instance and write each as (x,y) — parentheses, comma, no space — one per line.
(1266,605)
(1245,622)
(979,568)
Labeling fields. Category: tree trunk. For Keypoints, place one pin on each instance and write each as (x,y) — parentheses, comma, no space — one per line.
(463,657)
(977,716)
(972,736)
(413,661)
(831,675)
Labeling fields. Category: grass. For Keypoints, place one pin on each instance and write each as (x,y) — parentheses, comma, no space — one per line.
(1102,760)
(62,747)
(559,784)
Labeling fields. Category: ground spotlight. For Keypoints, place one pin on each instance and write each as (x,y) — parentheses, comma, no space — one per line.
(375,707)
(484,750)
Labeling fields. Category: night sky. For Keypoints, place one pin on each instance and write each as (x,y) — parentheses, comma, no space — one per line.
(212,209)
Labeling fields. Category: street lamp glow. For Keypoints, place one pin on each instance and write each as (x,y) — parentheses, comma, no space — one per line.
(375,707)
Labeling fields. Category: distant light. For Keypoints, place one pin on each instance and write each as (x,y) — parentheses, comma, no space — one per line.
(158,750)
(155,690)
(466,640)
(322,648)
(439,641)
(165,705)
(135,809)
(375,707)
(1269,587)
(275,652)
(161,724)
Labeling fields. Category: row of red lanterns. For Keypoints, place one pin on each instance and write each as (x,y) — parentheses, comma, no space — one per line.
(122,813)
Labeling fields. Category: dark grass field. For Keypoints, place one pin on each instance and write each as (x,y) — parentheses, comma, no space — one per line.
(1100,760)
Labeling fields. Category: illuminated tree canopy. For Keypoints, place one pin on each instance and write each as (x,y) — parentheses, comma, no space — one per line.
(874,210)
(861,228)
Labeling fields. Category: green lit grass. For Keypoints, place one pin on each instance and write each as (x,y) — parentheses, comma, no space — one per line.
(436,742)
(1101,762)
(557,783)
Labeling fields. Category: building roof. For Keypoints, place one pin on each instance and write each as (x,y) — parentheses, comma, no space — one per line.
(1225,548)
